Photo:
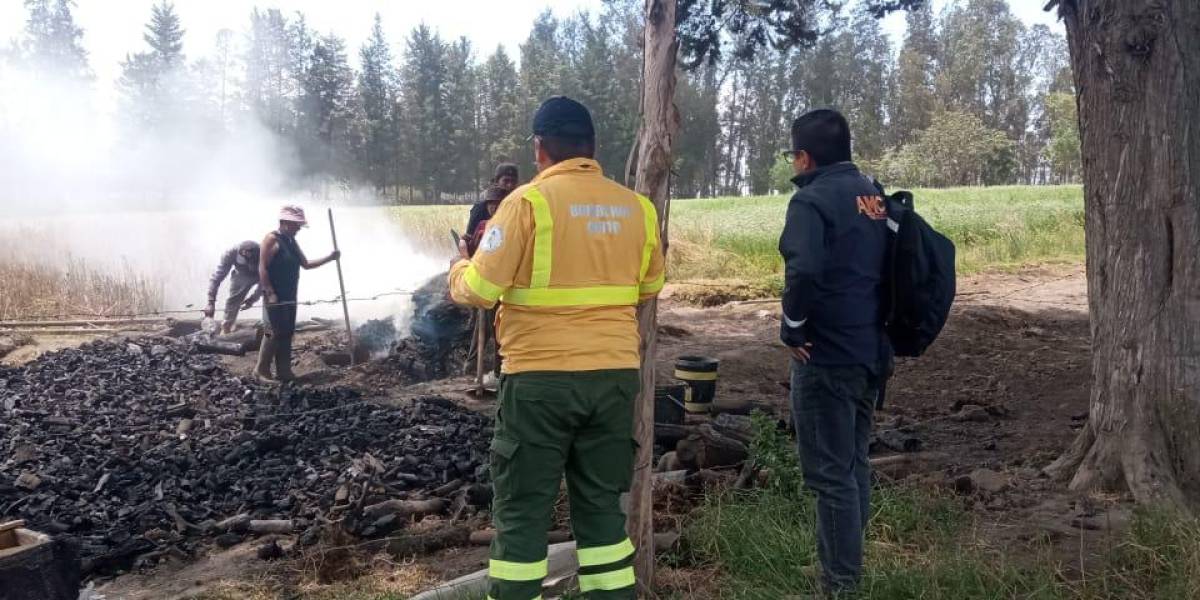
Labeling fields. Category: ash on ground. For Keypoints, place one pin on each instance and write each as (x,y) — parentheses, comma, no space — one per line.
(139,450)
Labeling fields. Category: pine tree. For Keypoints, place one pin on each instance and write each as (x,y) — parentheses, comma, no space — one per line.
(500,121)
(52,46)
(271,79)
(225,73)
(599,89)
(459,128)
(327,110)
(424,104)
(215,84)
(164,34)
(869,68)
(698,150)
(543,63)
(155,86)
(915,101)
(377,91)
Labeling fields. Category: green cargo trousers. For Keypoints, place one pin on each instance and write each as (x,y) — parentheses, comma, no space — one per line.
(579,423)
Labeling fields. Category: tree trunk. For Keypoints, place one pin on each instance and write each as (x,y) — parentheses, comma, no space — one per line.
(1137,70)
(659,123)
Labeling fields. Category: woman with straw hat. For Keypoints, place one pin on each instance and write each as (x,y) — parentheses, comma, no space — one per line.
(280,261)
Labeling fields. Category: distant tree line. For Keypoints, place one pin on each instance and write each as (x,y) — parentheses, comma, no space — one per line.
(972,97)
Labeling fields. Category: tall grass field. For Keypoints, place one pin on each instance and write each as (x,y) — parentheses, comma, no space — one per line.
(1002,227)
(725,247)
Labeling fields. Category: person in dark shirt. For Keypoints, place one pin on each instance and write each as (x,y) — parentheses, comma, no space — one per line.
(492,199)
(834,244)
(279,264)
(506,178)
(491,202)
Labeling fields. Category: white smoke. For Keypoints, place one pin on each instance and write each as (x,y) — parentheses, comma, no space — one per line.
(167,203)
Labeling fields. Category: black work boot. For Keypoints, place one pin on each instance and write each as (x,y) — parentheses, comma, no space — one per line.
(283,359)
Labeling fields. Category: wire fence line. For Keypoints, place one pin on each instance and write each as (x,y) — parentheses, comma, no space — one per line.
(190,309)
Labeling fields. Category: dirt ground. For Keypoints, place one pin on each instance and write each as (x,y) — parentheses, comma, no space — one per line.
(1004,390)
(1016,346)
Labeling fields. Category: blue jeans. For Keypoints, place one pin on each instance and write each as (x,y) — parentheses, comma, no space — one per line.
(833,408)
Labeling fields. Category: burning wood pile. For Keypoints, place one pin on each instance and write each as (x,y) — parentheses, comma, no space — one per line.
(141,450)
(439,345)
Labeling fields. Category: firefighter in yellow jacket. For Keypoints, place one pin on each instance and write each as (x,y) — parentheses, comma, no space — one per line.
(569,256)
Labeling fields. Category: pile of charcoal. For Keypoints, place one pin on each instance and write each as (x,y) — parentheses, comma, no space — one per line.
(141,450)
(439,344)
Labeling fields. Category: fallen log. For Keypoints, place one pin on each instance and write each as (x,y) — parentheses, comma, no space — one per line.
(249,338)
(738,427)
(181,327)
(271,526)
(219,347)
(669,434)
(707,448)
(236,523)
(428,542)
(673,476)
(483,537)
(405,508)
(901,465)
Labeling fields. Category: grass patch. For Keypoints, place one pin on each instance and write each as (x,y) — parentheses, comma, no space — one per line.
(994,228)
(920,544)
(29,288)
(764,541)
(723,239)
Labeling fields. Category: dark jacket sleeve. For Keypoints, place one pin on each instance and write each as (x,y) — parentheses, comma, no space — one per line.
(802,246)
(214,283)
(478,213)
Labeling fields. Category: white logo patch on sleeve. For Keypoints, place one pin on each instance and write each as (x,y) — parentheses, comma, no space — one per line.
(492,240)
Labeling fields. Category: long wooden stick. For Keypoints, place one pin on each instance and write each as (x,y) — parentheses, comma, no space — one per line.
(480,342)
(342,287)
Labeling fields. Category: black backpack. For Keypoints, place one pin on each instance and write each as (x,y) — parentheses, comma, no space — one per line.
(920,283)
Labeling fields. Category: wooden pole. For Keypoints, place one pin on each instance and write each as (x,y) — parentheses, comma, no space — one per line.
(342,288)
(480,342)
(653,158)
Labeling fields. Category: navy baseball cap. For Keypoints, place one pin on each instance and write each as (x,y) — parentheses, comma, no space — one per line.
(561,116)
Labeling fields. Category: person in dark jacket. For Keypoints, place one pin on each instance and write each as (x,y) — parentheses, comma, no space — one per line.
(240,265)
(834,244)
(492,197)
(506,178)
(279,265)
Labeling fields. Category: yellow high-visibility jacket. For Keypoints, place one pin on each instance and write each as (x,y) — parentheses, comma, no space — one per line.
(568,256)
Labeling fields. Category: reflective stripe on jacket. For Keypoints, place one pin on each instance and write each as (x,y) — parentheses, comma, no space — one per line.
(569,254)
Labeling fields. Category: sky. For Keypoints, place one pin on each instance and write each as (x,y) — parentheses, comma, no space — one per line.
(113,28)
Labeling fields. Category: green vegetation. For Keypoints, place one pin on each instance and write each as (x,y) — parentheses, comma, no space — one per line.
(993,227)
(920,545)
(735,238)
